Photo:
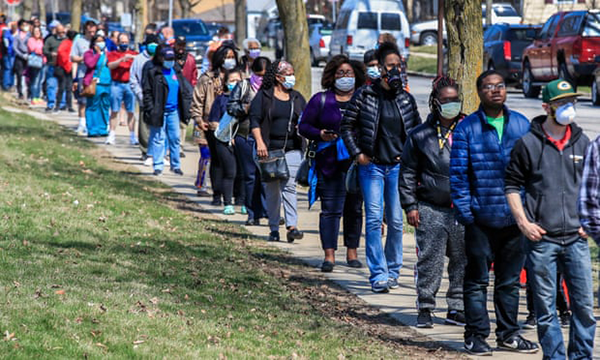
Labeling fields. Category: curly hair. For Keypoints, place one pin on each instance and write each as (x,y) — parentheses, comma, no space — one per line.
(218,58)
(269,80)
(386,49)
(328,78)
(260,63)
(437,85)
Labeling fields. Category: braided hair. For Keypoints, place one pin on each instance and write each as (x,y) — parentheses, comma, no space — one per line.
(437,85)
(269,79)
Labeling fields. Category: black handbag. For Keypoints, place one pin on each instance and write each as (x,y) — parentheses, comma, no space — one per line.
(352,184)
(306,164)
(275,166)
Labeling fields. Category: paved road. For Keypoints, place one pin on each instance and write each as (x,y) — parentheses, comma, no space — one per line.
(588,115)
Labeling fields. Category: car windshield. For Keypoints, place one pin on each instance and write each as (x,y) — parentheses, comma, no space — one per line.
(592,25)
(505,10)
(522,34)
(189,28)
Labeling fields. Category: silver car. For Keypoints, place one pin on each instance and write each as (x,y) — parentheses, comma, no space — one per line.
(320,36)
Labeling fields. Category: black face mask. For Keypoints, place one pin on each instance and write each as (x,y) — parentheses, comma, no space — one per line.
(393,78)
(180,55)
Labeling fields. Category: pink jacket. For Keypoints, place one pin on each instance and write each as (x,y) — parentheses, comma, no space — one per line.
(90,59)
(36,46)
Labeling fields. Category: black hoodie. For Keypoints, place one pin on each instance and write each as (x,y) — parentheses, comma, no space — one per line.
(551,180)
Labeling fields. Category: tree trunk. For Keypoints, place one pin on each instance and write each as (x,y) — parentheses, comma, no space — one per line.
(408,5)
(42,7)
(488,12)
(141,19)
(295,27)
(240,21)
(27,7)
(185,8)
(76,14)
(465,47)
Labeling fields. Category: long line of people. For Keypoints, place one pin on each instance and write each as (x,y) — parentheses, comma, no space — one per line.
(488,189)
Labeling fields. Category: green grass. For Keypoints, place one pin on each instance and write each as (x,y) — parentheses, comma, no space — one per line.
(98,262)
(422,64)
(424,49)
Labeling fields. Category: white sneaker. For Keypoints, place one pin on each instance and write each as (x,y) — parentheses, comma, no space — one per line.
(148,161)
(134,141)
(81,130)
(110,140)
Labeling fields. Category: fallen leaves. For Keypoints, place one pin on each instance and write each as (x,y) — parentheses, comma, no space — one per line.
(60,292)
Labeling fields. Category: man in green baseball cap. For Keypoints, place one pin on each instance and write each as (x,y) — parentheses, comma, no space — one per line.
(548,163)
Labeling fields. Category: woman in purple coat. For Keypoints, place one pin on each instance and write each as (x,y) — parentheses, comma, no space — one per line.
(321,123)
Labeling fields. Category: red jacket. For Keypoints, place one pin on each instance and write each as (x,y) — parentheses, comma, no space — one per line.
(63,57)
(190,71)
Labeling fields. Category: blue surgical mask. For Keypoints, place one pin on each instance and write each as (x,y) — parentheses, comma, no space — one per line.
(152,48)
(231,86)
(345,84)
(168,64)
(289,82)
(229,64)
(123,47)
(254,53)
(373,72)
(101,45)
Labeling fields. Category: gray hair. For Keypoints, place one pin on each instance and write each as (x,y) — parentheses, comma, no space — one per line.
(247,42)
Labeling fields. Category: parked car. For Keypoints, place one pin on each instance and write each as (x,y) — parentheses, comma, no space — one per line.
(320,36)
(596,84)
(196,35)
(566,48)
(503,46)
(361,21)
(425,33)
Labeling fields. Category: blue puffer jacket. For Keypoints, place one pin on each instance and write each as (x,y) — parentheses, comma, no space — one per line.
(477,165)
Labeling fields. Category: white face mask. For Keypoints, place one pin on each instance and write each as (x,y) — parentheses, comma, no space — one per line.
(229,64)
(290,82)
(345,84)
(450,110)
(565,114)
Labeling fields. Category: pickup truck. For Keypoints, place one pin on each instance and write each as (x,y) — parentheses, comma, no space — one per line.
(567,47)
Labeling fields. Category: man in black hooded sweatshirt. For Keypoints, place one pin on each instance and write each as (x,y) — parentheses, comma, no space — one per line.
(547,163)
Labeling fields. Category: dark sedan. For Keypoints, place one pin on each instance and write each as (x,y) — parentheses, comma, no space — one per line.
(503,46)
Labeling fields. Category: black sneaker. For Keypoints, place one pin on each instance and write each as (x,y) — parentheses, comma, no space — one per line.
(71,110)
(424,319)
(455,317)
(203,193)
(182,154)
(274,236)
(178,172)
(380,287)
(518,344)
(48,109)
(294,234)
(327,266)
(565,319)
(281,221)
(475,345)
(216,202)
(157,172)
(530,323)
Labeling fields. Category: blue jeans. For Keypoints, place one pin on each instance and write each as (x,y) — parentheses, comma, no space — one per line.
(8,79)
(379,185)
(51,85)
(168,133)
(573,261)
(35,78)
(121,92)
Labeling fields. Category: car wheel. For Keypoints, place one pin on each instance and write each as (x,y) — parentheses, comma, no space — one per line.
(595,89)
(563,73)
(429,38)
(529,90)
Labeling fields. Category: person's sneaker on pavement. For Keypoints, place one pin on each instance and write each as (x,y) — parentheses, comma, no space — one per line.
(380,287)
(530,323)
(229,210)
(81,130)
(517,343)
(476,345)
(274,236)
(148,161)
(393,283)
(110,140)
(424,319)
(177,172)
(294,234)
(157,172)
(565,319)
(455,317)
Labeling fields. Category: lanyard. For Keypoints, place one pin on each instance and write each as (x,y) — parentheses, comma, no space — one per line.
(442,139)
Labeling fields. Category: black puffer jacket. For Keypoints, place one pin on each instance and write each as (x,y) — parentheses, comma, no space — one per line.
(155,91)
(361,121)
(425,169)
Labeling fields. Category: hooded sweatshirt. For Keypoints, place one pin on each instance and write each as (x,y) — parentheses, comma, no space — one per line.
(551,179)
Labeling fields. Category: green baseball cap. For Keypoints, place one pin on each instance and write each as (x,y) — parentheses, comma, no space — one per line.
(558,89)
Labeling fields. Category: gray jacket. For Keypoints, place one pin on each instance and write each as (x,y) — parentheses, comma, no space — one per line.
(135,75)
(20,45)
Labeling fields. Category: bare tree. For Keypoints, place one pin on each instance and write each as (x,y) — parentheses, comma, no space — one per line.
(464,30)
(295,27)
(42,7)
(240,21)
(187,6)
(141,19)
(76,7)
(27,7)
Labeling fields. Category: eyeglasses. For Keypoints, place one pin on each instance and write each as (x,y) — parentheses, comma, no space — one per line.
(492,87)
(561,102)
(342,73)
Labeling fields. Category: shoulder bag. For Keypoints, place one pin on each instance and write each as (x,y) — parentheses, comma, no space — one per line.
(275,167)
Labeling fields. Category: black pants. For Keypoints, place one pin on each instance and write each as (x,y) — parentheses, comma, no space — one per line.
(335,203)
(18,69)
(227,160)
(254,190)
(65,83)
(505,248)
(216,172)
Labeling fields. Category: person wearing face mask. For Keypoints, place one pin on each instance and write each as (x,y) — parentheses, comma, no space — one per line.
(374,128)
(98,106)
(425,196)
(50,51)
(167,96)
(186,62)
(119,63)
(210,85)
(224,153)
(321,123)
(274,115)
(22,54)
(548,163)
(238,106)
(139,70)
(80,46)
(62,71)
(372,66)
(251,51)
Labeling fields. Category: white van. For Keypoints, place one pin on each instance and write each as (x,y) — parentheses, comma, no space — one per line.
(361,21)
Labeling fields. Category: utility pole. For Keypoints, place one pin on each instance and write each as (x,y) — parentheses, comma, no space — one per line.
(440,41)
(170,13)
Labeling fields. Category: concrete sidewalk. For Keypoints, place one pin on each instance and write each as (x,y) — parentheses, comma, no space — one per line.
(399,303)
